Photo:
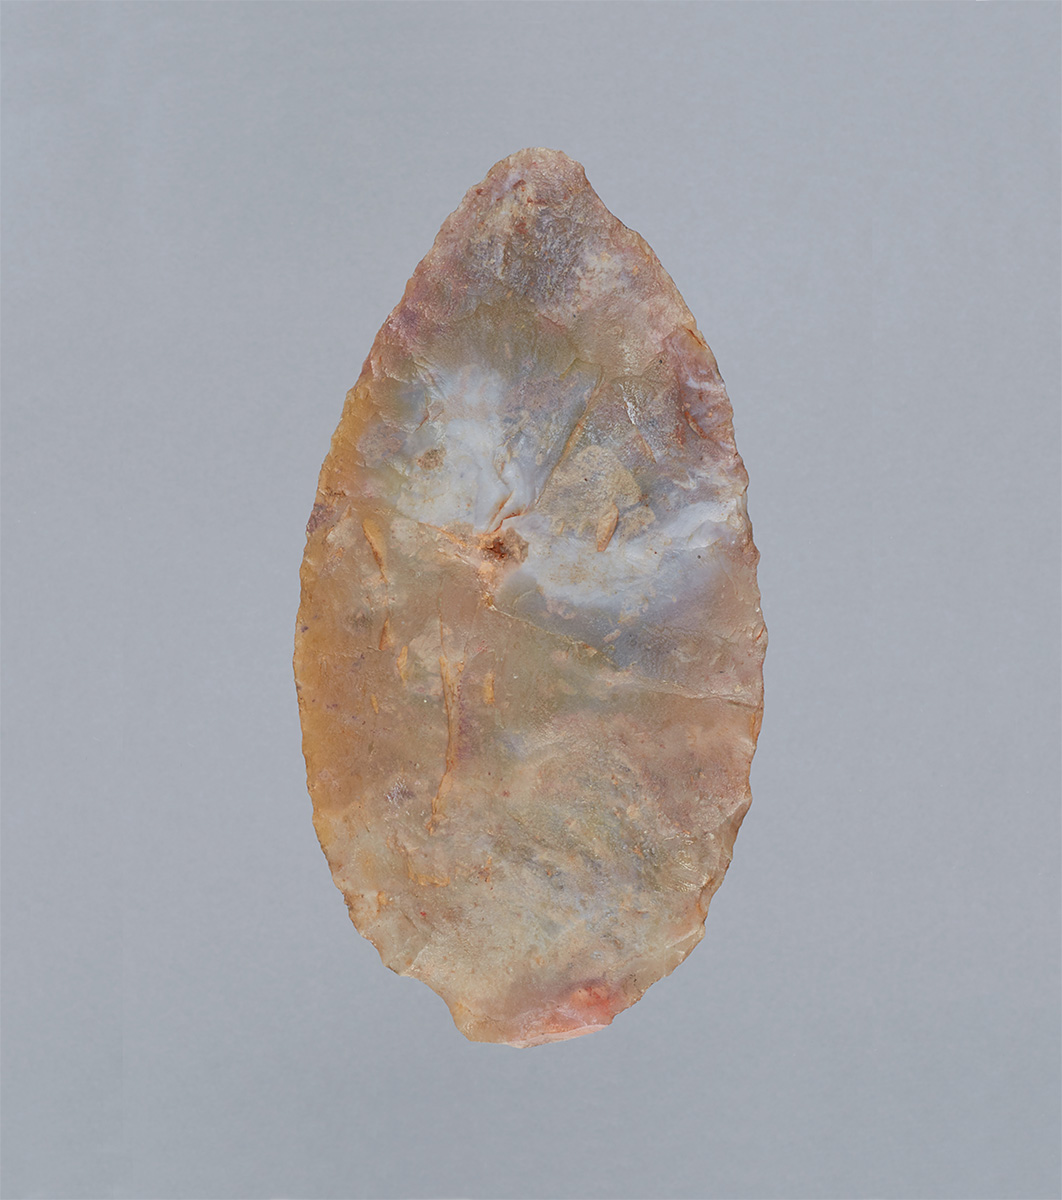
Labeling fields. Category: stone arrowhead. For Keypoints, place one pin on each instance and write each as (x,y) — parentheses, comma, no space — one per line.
(529,647)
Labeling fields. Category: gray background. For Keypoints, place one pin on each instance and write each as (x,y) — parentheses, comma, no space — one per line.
(209,210)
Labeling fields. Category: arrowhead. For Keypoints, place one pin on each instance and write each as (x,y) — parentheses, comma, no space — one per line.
(530,641)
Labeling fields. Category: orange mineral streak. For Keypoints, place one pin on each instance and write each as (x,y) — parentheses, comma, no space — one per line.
(529,648)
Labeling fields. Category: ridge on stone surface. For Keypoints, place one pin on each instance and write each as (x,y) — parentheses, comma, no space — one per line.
(529,648)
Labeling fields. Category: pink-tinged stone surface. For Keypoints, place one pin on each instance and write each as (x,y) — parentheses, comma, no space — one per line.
(529,647)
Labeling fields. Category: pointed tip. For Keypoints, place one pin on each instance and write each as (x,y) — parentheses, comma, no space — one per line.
(539,161)
(541,154)
(545,176)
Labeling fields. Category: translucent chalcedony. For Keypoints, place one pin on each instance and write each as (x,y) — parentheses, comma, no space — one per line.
(529,648)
